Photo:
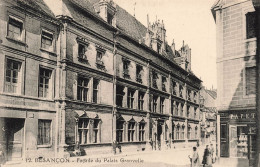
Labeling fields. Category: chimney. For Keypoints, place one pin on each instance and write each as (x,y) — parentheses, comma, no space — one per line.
(173,47)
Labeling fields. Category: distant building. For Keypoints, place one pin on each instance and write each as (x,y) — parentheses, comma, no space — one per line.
(236,76)
(208,99)
(86,74)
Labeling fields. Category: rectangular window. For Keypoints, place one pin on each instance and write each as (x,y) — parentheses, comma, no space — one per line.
(196,132)
(250,25)
(188,111)
(44,82)
(195,113)
(162,105)
(177,108)
(126,69)
(99,59)
(182,132)
(181,109)
(119,130)
(189,133)
(173,132)
(95,91)
(140,100)
(131,131)
(141,131)
(250,80)
(47,40)
(154,82)
(15,28)
(44,132)
(96,131)
(130,98)
(174,88)
(181,91)
(119,95)
(12,76)
(83,131)
(189,94)
(82,91)
(155,103)
(164,83)
(139,70)
(178,132)
(81,51)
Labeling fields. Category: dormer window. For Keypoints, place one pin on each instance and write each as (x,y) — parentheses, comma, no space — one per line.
(158,48)
(109,18)
(139,70)
(106,10)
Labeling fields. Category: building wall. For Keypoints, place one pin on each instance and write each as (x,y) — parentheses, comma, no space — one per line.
(235,53)
(26,105)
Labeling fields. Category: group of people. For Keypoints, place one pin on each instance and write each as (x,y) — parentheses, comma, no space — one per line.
(208,157)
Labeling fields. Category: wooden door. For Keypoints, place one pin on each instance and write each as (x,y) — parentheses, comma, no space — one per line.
(15,129)
(224,144)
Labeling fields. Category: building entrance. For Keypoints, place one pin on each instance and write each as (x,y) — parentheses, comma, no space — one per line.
(14,133)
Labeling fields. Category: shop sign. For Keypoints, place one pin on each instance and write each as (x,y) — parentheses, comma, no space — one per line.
(242,116)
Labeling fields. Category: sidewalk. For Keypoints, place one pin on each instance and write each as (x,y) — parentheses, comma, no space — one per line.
(231,162)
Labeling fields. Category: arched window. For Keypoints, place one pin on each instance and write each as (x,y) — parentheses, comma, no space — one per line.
(178,132)
(119,129)
(142,131)
(83,130)
(196,132)
(131,131)
(182,131)
(189,132)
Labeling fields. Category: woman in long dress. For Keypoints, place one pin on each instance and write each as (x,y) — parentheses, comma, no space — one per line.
(195,161)
(207,160)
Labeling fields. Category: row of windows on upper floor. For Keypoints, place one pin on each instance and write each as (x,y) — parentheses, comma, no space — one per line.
(15,31)
(125,97)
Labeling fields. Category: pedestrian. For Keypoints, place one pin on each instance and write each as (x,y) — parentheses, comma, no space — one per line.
(207,157)
(195,162)
(2,156)
(212,152)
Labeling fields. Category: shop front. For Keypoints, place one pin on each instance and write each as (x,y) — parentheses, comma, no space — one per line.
(238,134)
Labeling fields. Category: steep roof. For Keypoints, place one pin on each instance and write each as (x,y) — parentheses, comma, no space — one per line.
(212,93)
(38,5)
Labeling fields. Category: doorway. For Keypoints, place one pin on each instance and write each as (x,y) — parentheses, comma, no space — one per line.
(159,135)
(14,133)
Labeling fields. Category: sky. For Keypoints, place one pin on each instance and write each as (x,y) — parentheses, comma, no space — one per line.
(188,20)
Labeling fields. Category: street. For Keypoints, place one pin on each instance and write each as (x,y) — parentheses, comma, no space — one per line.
(171,157)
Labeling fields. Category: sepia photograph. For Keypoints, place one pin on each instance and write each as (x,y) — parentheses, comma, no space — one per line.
(129,83)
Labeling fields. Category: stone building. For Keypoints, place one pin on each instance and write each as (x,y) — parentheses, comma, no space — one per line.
(208,101)
(236,74)
(85,73)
